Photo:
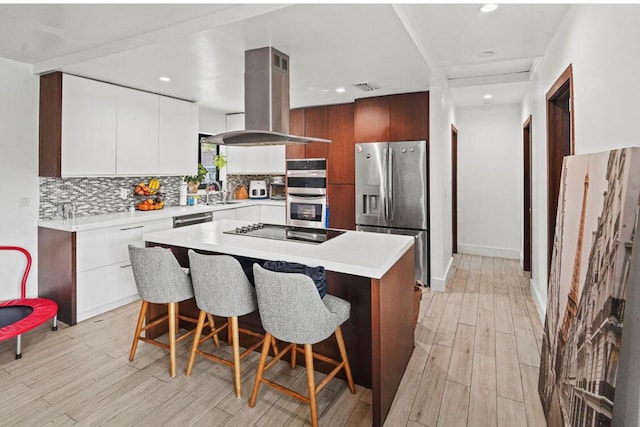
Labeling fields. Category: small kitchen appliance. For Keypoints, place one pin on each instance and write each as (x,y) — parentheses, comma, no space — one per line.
(258,189)
(277,188)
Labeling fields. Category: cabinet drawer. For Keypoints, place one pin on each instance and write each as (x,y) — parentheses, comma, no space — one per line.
(105,246)
(103,289)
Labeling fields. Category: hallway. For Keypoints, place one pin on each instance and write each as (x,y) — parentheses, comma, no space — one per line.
(477,352)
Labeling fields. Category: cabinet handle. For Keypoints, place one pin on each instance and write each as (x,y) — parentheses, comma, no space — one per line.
(125,266)
(132,228)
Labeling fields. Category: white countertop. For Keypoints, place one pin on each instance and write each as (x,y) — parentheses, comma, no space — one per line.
(91,222)
(354,252)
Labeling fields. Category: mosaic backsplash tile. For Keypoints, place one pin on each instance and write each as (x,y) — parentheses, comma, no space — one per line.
(101,195)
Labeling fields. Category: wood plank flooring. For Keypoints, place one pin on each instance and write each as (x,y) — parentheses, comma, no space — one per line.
(475,364)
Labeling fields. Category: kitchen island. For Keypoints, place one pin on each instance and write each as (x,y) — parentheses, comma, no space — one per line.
(374,272)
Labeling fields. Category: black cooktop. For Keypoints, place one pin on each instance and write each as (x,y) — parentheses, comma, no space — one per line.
(286,232)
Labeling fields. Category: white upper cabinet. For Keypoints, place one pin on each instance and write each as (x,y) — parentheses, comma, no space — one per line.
(109,130)
(137,133)
(268,159)
(89,110)
(178,137)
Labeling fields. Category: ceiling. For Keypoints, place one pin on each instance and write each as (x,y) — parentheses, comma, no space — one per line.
(399,48)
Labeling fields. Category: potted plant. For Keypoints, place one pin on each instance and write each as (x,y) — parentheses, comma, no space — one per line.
(193,181)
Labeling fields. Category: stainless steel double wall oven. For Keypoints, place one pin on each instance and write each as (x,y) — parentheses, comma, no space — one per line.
(307,192)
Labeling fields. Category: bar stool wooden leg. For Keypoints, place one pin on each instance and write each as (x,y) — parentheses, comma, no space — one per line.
(212,325)
(294,351)
(172,338)
(141,316)
(345,359)
(274,346)
(311,384)
(196,342)
(263,359)
(236,354)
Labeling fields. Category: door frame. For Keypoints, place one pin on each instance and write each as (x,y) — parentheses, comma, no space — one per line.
(454,189)
(527,202)
(560,122)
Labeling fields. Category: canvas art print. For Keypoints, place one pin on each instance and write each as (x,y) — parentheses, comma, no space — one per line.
(597,210)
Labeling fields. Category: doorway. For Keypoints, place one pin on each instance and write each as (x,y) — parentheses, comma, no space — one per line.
(454,189)
(560,143)
(526,145)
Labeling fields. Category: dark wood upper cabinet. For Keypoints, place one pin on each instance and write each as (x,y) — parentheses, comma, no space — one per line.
(372,119)
(296,127)
(342,211)
(341,164)
(315,125)
(409,117)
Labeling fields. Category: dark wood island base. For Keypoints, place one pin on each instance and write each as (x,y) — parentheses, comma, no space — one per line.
(379,336)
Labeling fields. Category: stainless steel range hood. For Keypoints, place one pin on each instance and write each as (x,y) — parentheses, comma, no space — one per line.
(266,103)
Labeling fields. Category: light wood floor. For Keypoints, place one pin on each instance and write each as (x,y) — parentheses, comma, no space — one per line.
(475,363)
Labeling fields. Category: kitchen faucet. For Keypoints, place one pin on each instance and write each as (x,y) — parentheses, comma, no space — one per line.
(209,190)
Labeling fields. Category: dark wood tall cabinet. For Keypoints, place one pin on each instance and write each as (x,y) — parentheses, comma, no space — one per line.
(315,124)
(296,127)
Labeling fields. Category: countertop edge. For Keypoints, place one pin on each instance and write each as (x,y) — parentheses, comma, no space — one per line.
(92,222)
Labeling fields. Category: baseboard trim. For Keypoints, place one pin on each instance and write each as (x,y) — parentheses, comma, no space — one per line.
(439,284)
(489,251)
(537,299)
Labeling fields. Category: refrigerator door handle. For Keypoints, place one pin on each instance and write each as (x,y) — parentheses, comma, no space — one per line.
(390,190)
(384,183)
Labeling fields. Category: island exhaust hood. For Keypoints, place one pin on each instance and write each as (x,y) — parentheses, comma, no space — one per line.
(266,103)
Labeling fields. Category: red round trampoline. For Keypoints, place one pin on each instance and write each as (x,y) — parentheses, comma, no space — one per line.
(21,315)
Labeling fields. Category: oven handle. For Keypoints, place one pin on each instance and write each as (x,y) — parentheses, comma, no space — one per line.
(307,198)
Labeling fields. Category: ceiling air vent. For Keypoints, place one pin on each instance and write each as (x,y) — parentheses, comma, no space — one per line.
(367,86)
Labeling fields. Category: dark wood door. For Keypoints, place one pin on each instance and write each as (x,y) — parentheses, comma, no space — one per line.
(409,117)
(342,212)
(559,144)
(296,127)
(454,189)
(526,241)
(341,163)
(372,119)
(315,124)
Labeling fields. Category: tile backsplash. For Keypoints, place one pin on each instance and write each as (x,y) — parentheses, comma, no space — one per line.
(101,195)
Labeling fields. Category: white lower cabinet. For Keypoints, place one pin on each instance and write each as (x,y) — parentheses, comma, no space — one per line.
(225,214)
(248,213)
(270,214)
(104,278)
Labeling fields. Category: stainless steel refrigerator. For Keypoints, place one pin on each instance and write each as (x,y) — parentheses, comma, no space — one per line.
(392,194)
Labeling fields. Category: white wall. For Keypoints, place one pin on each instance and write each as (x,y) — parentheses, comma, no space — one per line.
(441,117)
(601,43)
(490,180)
(18,174)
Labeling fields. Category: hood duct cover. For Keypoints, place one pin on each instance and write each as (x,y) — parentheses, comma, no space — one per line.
(266,103)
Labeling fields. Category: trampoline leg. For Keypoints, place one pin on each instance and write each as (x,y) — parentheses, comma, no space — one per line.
(55,323)
(19,347)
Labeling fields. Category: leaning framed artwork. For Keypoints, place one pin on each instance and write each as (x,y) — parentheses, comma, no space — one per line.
(587,291)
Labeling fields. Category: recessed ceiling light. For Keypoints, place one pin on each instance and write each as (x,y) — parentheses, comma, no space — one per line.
(488,96)
(489,7)
(341,90)
(486,54)
(165,79)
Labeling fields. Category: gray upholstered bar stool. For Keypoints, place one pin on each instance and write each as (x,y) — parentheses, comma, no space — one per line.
(291,310)
(221,288)
(160,280)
